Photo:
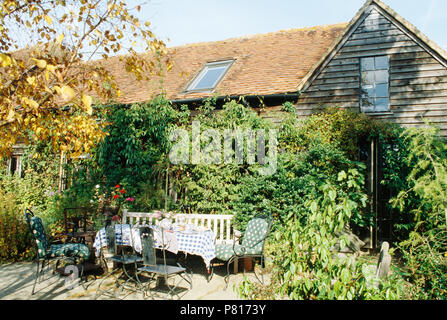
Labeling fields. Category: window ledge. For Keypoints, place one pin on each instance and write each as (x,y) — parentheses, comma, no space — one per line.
(388,113)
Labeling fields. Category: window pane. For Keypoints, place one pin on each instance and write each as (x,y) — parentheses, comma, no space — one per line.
(381,63)
(382,90)
(13,165)
(382,104)
(382,76)
(368,78)
(210,75)
(367,64)
(368,91)
(210,78)
(368,105)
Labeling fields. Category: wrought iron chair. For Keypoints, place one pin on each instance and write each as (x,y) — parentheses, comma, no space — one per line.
(125,261)
(159,273)
(77,225)
(252,245)
(46,252)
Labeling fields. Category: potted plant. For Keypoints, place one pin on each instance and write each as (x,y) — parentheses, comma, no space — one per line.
(116,200)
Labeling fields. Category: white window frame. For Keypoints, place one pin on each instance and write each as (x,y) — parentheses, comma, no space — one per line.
(373,108)
(191,87)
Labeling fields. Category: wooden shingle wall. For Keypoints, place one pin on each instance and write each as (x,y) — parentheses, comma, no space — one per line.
(418,80)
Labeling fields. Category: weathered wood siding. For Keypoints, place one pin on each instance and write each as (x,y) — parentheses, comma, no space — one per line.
(418,81)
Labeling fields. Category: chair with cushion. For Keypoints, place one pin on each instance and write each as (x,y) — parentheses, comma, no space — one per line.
(46,252)
(125,261)
(252,245)
(78,226)
(153,274)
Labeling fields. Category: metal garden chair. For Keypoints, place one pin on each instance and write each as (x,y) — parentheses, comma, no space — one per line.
(125,261)
(78,226)
(252,245)
(158,274)
(46,252)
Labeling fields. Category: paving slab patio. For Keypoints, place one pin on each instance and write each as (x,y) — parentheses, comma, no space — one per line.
(17,279)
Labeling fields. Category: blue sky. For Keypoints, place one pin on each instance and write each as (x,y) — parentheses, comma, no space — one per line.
(190,21)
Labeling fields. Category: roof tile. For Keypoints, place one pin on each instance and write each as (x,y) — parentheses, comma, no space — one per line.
(264,64)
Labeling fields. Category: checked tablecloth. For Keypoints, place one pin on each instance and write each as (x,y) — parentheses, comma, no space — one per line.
(196,242)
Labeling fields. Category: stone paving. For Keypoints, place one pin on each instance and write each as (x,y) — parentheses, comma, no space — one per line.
(17,279)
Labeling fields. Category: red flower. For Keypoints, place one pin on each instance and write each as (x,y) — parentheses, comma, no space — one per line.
(118,186)
(116,196)
(123,191)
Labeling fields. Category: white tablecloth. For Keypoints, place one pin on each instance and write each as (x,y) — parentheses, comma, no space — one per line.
(197,242)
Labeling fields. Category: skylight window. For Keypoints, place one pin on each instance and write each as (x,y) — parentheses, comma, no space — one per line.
(209,76)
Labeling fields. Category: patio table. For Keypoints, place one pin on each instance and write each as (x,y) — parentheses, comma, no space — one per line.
(199,243)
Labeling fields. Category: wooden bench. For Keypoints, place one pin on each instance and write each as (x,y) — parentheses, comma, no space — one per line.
(219,223)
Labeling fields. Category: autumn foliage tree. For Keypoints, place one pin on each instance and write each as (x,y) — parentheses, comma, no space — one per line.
(49,87)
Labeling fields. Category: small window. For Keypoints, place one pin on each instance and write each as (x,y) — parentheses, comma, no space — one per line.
(375,84)
(209,76)
(15,165)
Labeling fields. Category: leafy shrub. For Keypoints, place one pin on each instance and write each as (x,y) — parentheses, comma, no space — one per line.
(298,178)
(341,128)
(304,265)
(214,188)
(424,202)
(37,190)
(137,141)
(15,238)
(16,194)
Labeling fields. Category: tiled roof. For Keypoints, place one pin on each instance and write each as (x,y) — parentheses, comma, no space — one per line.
(272,63)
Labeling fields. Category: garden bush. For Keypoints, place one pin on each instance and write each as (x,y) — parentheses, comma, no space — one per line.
(424,201)
(34,192)
(215,188)
(15,238)
(298,178)
(304,264)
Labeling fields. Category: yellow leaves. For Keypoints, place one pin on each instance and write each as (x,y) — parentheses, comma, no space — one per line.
(49,68)
(40,63)
(48,19)
(67,93)
(53,85)
(5,60)
(11,115)
(31,80)
(30,102)
(87,102)
(60,38)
